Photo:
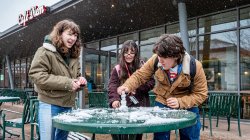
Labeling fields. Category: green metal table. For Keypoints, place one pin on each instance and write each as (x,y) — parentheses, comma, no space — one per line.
(133,121)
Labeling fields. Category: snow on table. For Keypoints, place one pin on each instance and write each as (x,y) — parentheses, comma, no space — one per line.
(140,115)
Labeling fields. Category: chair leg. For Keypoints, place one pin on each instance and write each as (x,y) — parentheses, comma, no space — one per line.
(3,126)
(228,123)
(23,134)
(93,136)
(210,123)
(239,126)
(31,131)
(217,121)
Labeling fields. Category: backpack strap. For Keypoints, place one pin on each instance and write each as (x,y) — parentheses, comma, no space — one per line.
(192,72)
(118,69)
(156,64)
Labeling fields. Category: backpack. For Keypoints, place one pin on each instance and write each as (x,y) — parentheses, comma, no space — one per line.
(192,70)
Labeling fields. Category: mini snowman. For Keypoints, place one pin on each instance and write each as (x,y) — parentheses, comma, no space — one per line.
(123,106)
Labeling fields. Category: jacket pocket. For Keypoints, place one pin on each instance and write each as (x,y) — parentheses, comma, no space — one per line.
(159,90)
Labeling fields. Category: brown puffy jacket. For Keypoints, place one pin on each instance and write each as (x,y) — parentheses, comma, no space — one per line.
(179,89)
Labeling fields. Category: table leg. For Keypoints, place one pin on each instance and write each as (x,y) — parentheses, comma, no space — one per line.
(123,137)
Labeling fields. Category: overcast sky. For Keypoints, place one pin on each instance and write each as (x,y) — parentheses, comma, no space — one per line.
(10,10)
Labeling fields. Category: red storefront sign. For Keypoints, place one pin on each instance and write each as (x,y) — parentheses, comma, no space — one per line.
(31,14)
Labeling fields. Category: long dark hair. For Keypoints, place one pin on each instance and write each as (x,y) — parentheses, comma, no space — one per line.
(126,46)
(170,45)
(56,39)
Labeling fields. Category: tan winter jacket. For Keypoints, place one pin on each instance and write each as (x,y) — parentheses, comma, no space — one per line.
(53,77)
(179,89)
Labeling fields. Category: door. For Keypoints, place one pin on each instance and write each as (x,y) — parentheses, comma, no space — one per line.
(97,68)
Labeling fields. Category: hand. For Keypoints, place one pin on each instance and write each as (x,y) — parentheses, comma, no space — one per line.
(75,85)
(121,89)
(116,104)
(82,81)
(173,102)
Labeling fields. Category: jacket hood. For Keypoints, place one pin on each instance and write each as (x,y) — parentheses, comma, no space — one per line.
(48,44)
(186,64)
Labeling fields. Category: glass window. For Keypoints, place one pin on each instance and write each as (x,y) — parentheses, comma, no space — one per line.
(218,53)
(174,29)
(192,45)
(191,27)
(94,45)
(245,16)
(245,59)
(146,52)
(23,73)
(150,36)
(133,36)
(217,22)
(109,44)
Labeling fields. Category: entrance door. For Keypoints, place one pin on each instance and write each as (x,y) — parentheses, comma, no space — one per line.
(97,67)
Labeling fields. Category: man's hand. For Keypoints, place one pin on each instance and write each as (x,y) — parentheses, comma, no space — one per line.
(116,104)
(173,102)
(122,88)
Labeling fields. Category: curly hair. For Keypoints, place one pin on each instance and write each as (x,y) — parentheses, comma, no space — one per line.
(56,38)
(126,46)
(170,45)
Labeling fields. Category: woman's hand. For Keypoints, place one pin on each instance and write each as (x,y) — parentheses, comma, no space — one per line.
(116,104)
(75,85)
(82,81)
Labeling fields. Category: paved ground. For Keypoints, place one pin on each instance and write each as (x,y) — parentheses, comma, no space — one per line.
(219,133)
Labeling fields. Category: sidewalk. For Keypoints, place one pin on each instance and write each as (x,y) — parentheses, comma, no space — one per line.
(219,133)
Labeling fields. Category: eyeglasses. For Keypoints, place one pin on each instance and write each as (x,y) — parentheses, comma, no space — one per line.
(129,53)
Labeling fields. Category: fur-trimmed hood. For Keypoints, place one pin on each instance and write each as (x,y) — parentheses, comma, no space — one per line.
(48,44)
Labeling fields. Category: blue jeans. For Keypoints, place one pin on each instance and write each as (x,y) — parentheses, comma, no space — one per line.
(45,114)
(188,133)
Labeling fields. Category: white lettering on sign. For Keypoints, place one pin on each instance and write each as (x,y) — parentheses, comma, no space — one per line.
(30,14)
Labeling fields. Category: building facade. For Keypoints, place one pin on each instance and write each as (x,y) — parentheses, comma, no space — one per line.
(219,38)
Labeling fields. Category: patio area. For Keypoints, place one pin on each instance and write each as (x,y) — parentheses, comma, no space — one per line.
(219,133)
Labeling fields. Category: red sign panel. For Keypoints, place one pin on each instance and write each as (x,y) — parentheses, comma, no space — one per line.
(31,14)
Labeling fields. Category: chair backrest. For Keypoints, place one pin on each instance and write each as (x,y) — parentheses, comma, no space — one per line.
(152,97)
(24,99)
(224,104)
(98,99)
(34,103)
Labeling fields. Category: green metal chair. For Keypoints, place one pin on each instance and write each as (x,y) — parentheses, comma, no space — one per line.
(222,105)
(98,99)
(34,127)
(18,122)
(152,98)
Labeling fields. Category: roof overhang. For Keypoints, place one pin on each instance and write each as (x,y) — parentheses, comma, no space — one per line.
(99,19)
